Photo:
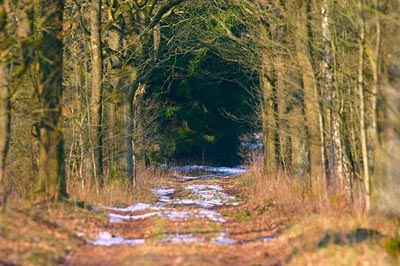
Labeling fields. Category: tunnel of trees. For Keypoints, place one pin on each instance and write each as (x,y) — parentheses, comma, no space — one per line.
(206,110)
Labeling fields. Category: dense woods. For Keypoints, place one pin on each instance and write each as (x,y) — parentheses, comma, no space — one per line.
(92,91)
(201,132)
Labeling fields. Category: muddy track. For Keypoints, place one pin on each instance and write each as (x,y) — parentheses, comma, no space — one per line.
(197,220)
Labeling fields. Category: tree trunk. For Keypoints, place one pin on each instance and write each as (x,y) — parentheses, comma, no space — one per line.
(5,117)
(129,145)
(96,100)
(363,130)
(317,96)
(374,147)
(334,152)
(268,123)
(51,172)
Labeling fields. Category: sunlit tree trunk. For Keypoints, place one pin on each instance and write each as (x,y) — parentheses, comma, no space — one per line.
(363,130)
(51,173)
(374,59)
(96,100)
(329,94)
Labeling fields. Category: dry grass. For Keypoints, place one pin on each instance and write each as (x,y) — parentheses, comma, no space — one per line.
(312,218)
(117,191)
(44,233)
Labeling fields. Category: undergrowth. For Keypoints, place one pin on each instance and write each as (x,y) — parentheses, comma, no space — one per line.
(322,230)
(117,191)
(43,233)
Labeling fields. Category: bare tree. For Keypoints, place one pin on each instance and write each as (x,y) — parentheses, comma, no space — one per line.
(5,79)
(336,174)
(48,90)
(140,37)
(96,100)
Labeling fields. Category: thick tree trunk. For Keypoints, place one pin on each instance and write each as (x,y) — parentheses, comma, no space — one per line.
(334,151)
(317,95)
(96,100)
(268,116)
(5,119)
(5,116)
(131,120)
(51,173)
(136,24)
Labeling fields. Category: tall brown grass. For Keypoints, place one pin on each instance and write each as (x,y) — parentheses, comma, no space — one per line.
(312,215)
(293,194)
(116,191)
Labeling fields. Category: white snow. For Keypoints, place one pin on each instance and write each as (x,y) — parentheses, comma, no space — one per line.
(228,171)
(163,191)
(106,239)
(209,196)
(115,218)
(267,238)
(212,215)
(134,207)
(223,239)
(203,197)
(182,238)
(173,215)
(191,178)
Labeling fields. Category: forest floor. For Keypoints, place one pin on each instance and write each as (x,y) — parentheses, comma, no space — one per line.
(201,219)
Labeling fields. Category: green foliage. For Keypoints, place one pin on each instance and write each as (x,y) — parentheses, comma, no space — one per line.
(392,247)
(205,105)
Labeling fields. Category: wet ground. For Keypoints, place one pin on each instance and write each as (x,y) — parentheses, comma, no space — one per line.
(193,222)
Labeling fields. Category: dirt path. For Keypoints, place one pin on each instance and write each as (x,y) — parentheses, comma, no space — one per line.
(199,219)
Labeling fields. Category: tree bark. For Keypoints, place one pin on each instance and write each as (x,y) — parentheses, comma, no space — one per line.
(334,151)
(269,115)
(5,117)
(375,65)
(129,144)
(137,23)
(317,95)
(51,172)
(363,129)
(96,100)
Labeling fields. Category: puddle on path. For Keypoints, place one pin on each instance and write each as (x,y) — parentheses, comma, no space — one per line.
(202,197)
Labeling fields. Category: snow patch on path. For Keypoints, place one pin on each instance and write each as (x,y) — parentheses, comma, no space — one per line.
(223,239)
(108,240)
(209,196)
(182,238)
(134,207)
(203,197)
(227,171)
(173,215)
